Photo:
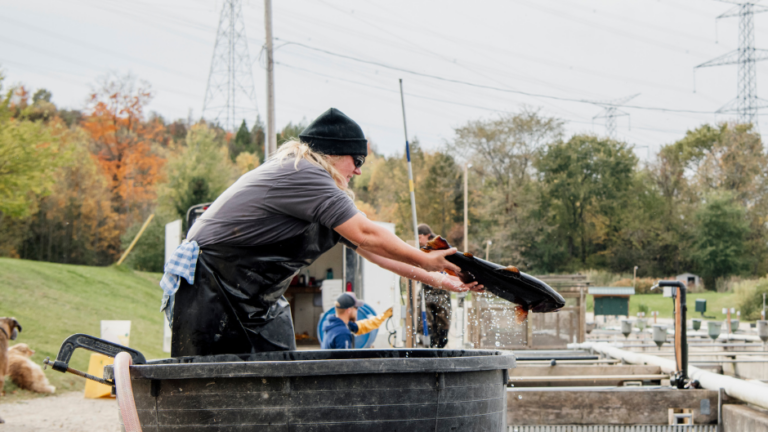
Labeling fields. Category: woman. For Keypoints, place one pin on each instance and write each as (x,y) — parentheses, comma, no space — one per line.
(274,221)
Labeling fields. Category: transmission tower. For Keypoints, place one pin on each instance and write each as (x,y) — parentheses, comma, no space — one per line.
(611,111)
(230,96)
(746,103)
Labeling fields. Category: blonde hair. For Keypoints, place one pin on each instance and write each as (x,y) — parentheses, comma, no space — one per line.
(300,150)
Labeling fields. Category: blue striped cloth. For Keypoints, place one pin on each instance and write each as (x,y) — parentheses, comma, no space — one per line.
(181,265)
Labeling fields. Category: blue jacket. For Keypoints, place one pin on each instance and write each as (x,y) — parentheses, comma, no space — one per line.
(337,335)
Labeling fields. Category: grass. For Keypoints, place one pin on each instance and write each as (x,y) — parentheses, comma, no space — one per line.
(54,301)
(656,302)
(715,304)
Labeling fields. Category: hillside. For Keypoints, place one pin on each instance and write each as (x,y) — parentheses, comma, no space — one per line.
(53,301)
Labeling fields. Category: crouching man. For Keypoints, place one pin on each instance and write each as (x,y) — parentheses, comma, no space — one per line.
(337,333)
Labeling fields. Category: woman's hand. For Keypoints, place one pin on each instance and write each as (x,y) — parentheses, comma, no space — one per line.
(435,261)
(378,240)
(454,284)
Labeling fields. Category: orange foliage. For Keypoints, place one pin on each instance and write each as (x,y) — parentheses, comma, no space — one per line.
(123,144)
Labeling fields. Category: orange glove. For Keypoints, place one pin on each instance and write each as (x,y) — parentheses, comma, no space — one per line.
(370,324)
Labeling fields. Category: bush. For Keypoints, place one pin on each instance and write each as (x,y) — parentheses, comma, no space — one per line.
(642,285)
(149,252)
(642,307)
(750,295)
(603,278)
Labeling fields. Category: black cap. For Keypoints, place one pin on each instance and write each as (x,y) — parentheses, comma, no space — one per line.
(333,133)
(424,229)
(348,300)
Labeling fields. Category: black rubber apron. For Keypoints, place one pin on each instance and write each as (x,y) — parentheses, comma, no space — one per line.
(236,305)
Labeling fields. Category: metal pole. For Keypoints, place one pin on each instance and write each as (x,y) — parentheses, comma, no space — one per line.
(466,212)
(634,279)
(424,326)
(413,199)
(410,169)
(271,141)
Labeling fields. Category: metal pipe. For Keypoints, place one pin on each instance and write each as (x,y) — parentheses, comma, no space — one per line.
(720,353)
(744,390)
(549,362)
(626,377)
(708,344)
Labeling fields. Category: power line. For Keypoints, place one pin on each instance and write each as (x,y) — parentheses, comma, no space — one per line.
(419,96)
(471,84)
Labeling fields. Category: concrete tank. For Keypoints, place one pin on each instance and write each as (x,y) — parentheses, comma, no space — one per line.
(334,390)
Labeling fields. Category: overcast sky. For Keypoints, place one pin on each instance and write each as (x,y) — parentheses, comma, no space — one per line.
(350,54)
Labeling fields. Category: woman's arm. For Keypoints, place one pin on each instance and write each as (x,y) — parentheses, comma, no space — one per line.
(376,239)
(434,279)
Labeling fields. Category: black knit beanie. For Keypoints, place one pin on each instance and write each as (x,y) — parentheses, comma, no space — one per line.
(333,133)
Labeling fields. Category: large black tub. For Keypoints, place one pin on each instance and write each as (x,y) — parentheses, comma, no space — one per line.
(335,390)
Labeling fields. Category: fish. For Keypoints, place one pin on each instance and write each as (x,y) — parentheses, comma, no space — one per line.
(507,282)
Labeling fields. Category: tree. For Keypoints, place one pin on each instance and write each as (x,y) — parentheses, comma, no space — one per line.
(126,147)
(258,135)
(721,231)
(502,152)
(291,131)
(584,185)
(197,172)
(243,142)
(75,223)
(29,152)
(722,157)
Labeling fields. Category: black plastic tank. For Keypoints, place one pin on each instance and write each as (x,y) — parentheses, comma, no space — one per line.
(369,390)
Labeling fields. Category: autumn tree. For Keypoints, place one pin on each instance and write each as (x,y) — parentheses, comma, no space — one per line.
(75,223)
(124,145)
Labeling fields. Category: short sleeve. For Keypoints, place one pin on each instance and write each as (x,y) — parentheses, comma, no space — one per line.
(310,194)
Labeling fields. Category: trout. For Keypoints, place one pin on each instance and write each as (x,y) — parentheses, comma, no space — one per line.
(509,283)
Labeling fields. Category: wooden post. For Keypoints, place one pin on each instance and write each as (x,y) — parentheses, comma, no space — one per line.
(135,239)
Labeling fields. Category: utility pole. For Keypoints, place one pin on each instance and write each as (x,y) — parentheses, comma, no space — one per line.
(230,95)
(466,211)
(611,111)
(746,103)
(271,141)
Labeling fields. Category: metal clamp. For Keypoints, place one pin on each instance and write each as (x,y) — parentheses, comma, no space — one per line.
(94,344)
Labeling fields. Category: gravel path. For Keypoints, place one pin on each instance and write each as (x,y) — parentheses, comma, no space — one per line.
(67,412)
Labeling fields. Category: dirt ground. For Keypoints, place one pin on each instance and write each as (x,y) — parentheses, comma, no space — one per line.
(67,412)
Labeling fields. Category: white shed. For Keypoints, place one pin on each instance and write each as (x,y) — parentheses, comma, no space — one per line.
(689,279)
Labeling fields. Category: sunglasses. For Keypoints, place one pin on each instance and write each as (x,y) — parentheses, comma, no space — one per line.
(359,160)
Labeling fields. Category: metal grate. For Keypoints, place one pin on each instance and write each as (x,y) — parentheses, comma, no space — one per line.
(614,428)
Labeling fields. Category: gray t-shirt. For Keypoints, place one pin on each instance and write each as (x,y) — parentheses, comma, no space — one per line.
(274,202)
